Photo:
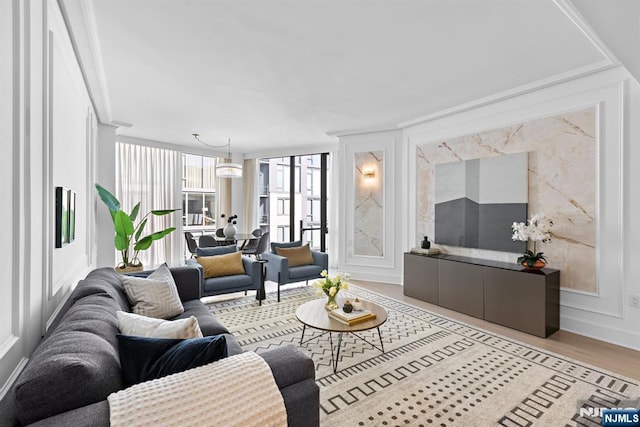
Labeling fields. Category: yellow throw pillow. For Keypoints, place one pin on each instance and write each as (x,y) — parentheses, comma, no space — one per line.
(297,256)
(222,265)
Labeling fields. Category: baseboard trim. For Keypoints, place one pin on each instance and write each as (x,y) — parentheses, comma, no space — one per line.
(600,332)
(12,378)
(377,277)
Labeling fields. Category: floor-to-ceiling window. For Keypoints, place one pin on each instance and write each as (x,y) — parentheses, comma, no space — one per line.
(293,198)
(198,193)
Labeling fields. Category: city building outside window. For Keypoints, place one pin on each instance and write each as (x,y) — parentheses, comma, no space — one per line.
(198,193)
(277,212)
(283,206)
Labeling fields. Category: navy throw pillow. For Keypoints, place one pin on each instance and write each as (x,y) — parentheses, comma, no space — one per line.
(143,358)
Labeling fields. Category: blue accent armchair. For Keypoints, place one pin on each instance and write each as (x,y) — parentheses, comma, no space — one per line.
(278,269)
(251,280)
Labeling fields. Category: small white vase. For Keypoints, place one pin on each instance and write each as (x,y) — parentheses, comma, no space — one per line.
(229,231)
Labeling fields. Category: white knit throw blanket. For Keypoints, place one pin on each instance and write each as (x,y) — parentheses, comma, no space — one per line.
(236,391)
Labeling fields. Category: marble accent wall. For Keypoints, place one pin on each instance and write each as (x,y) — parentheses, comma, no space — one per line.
(562,183)
(368,233)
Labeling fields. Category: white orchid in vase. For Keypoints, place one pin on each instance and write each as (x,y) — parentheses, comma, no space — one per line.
(537,229)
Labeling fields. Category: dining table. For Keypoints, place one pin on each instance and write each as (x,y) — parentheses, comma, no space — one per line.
(240,239)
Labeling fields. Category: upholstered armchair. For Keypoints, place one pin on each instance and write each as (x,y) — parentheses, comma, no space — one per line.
(233,279)
(303,268)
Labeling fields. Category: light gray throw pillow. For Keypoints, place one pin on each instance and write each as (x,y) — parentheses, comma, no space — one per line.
(154,296)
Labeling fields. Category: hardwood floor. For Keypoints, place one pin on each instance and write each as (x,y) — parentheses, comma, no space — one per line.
(611,357)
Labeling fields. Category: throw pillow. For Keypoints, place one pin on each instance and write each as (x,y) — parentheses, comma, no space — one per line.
(145,359)
(297,256)
(154,296)
(222,265)
(142,326)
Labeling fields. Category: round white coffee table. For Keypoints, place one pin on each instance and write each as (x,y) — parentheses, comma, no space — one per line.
(314,315)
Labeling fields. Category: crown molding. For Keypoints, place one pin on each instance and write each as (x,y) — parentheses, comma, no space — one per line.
(79,17)
(188,149)
(368,129)
(576,18)
(513,93)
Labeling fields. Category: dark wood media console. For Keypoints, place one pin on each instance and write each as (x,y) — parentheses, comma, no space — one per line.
(503,293)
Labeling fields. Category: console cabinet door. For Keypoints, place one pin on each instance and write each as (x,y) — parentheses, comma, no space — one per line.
(516,299)
(421,278)
(461,288)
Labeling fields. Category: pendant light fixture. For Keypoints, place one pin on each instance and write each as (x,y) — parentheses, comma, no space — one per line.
(224,169)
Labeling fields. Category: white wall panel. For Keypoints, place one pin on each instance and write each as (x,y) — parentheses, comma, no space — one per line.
(68,140)
(47,135)
(10,308)
(386,264)
(608,306)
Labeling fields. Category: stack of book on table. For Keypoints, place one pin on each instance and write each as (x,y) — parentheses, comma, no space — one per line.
(351,318)
(430,251)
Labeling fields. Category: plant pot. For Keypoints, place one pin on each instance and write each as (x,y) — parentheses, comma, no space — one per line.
(128,268)
(538,265)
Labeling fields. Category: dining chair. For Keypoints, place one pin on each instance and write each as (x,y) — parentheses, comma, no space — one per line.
(251,244)
(192,245)
(206,241)
(259,248)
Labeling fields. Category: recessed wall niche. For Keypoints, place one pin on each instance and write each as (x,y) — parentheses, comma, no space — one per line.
(368,233)
(562,183)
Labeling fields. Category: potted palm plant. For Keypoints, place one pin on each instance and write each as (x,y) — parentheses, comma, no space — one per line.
(128,234)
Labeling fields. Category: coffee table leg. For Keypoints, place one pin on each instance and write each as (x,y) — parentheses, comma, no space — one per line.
(331,346)
(304,327)
(335,362)
(380,335)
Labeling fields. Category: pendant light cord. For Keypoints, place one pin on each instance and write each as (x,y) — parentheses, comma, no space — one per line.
(196,136)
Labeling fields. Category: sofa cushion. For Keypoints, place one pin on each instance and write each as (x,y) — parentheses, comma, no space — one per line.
(227,283)
(222,265)
(296,256)
(154,296)
(143,326)
(216,250)
(304,271)
(76,365)
(145,358)
(209,324)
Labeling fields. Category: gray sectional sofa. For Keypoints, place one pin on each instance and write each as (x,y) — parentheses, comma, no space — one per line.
(76,366)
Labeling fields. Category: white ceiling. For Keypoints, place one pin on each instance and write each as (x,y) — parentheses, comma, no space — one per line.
(281,73)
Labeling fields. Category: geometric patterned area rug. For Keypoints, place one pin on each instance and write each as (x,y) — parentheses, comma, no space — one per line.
(434,372)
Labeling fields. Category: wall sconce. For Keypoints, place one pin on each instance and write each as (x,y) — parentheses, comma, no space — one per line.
(368,177)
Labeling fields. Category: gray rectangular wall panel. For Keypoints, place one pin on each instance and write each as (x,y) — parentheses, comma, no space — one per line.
(494,230)
(471,223)
(477,200)
(450,220)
